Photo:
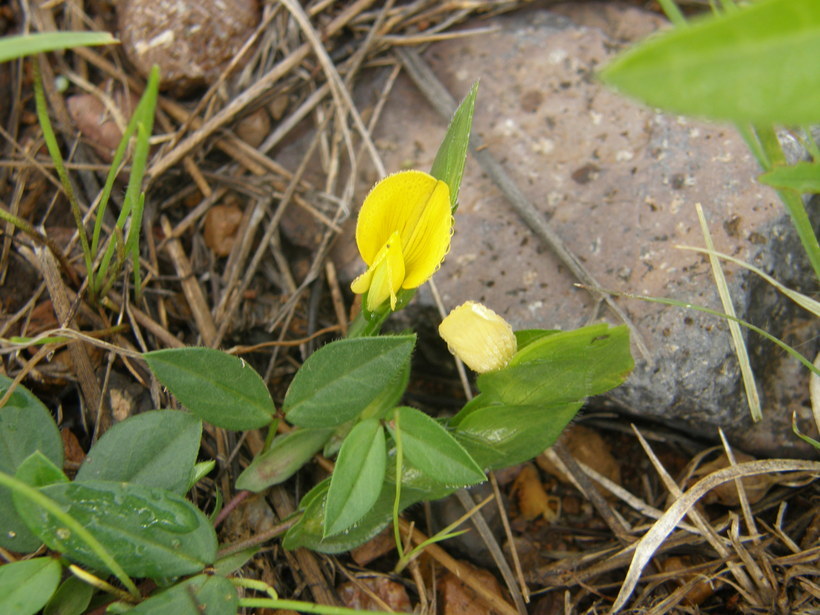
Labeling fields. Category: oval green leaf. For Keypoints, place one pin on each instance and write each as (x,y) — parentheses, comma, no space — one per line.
(357,478)
(149,532)
(502,436)
(200,595)
(155,449)
(26,586)
(559,368)
(215,386)
(431,449)
(71,598)
(26,426)
(756,64)
(283,459)
(341,380)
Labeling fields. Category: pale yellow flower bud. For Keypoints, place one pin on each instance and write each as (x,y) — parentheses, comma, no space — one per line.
(479,337)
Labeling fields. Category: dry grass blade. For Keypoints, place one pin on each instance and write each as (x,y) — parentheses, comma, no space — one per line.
(734,328)
(804,301)
(652,540)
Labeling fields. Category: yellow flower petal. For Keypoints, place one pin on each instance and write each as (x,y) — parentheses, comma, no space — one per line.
(384,276)
(429,242)
(414,207)
(479,337)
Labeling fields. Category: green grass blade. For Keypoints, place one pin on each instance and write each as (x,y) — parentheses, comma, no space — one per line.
(699,308)
(770,144)
(802,224)
(57,157)
(13,47)
(142,122)
(673,12)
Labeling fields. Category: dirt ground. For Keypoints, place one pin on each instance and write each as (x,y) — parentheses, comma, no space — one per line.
(234,255)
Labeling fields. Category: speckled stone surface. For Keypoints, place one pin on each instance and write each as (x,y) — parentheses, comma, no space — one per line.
(619,183)
(190,40)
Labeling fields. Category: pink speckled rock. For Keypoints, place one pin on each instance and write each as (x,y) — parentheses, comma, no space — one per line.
(619,183)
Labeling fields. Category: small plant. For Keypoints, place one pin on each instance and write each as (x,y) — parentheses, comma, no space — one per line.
(125,514)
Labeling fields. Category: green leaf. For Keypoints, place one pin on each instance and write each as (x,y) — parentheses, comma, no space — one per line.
(215,386)
(308,531)
(200,595)
(26,586)
(523,408)
(357,478)
(562,367)
(283,459)
(149,532)
(501,436)
(38,470)
(803,177)
(525,337)
(430,448)
(71,598)
(756,64)
(12,47)
(346,378)
(452,153)
(200,470)
(26,426)
(155,449)
(234,561)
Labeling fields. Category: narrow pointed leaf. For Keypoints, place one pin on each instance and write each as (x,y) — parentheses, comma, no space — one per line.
(430,448)
(156,449)
(448,165)
(357,479)
(217,387)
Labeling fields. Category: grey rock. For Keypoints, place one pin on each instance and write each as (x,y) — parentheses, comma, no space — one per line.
(619,183)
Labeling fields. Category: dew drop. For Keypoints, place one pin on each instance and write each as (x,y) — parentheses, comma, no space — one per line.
(12,534)
(176,544)
(63,533)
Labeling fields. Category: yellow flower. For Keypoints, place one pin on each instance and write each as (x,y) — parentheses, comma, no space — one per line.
(403,234)
(479,337)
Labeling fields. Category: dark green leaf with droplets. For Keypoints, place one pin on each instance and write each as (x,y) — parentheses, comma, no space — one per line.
(26,426)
